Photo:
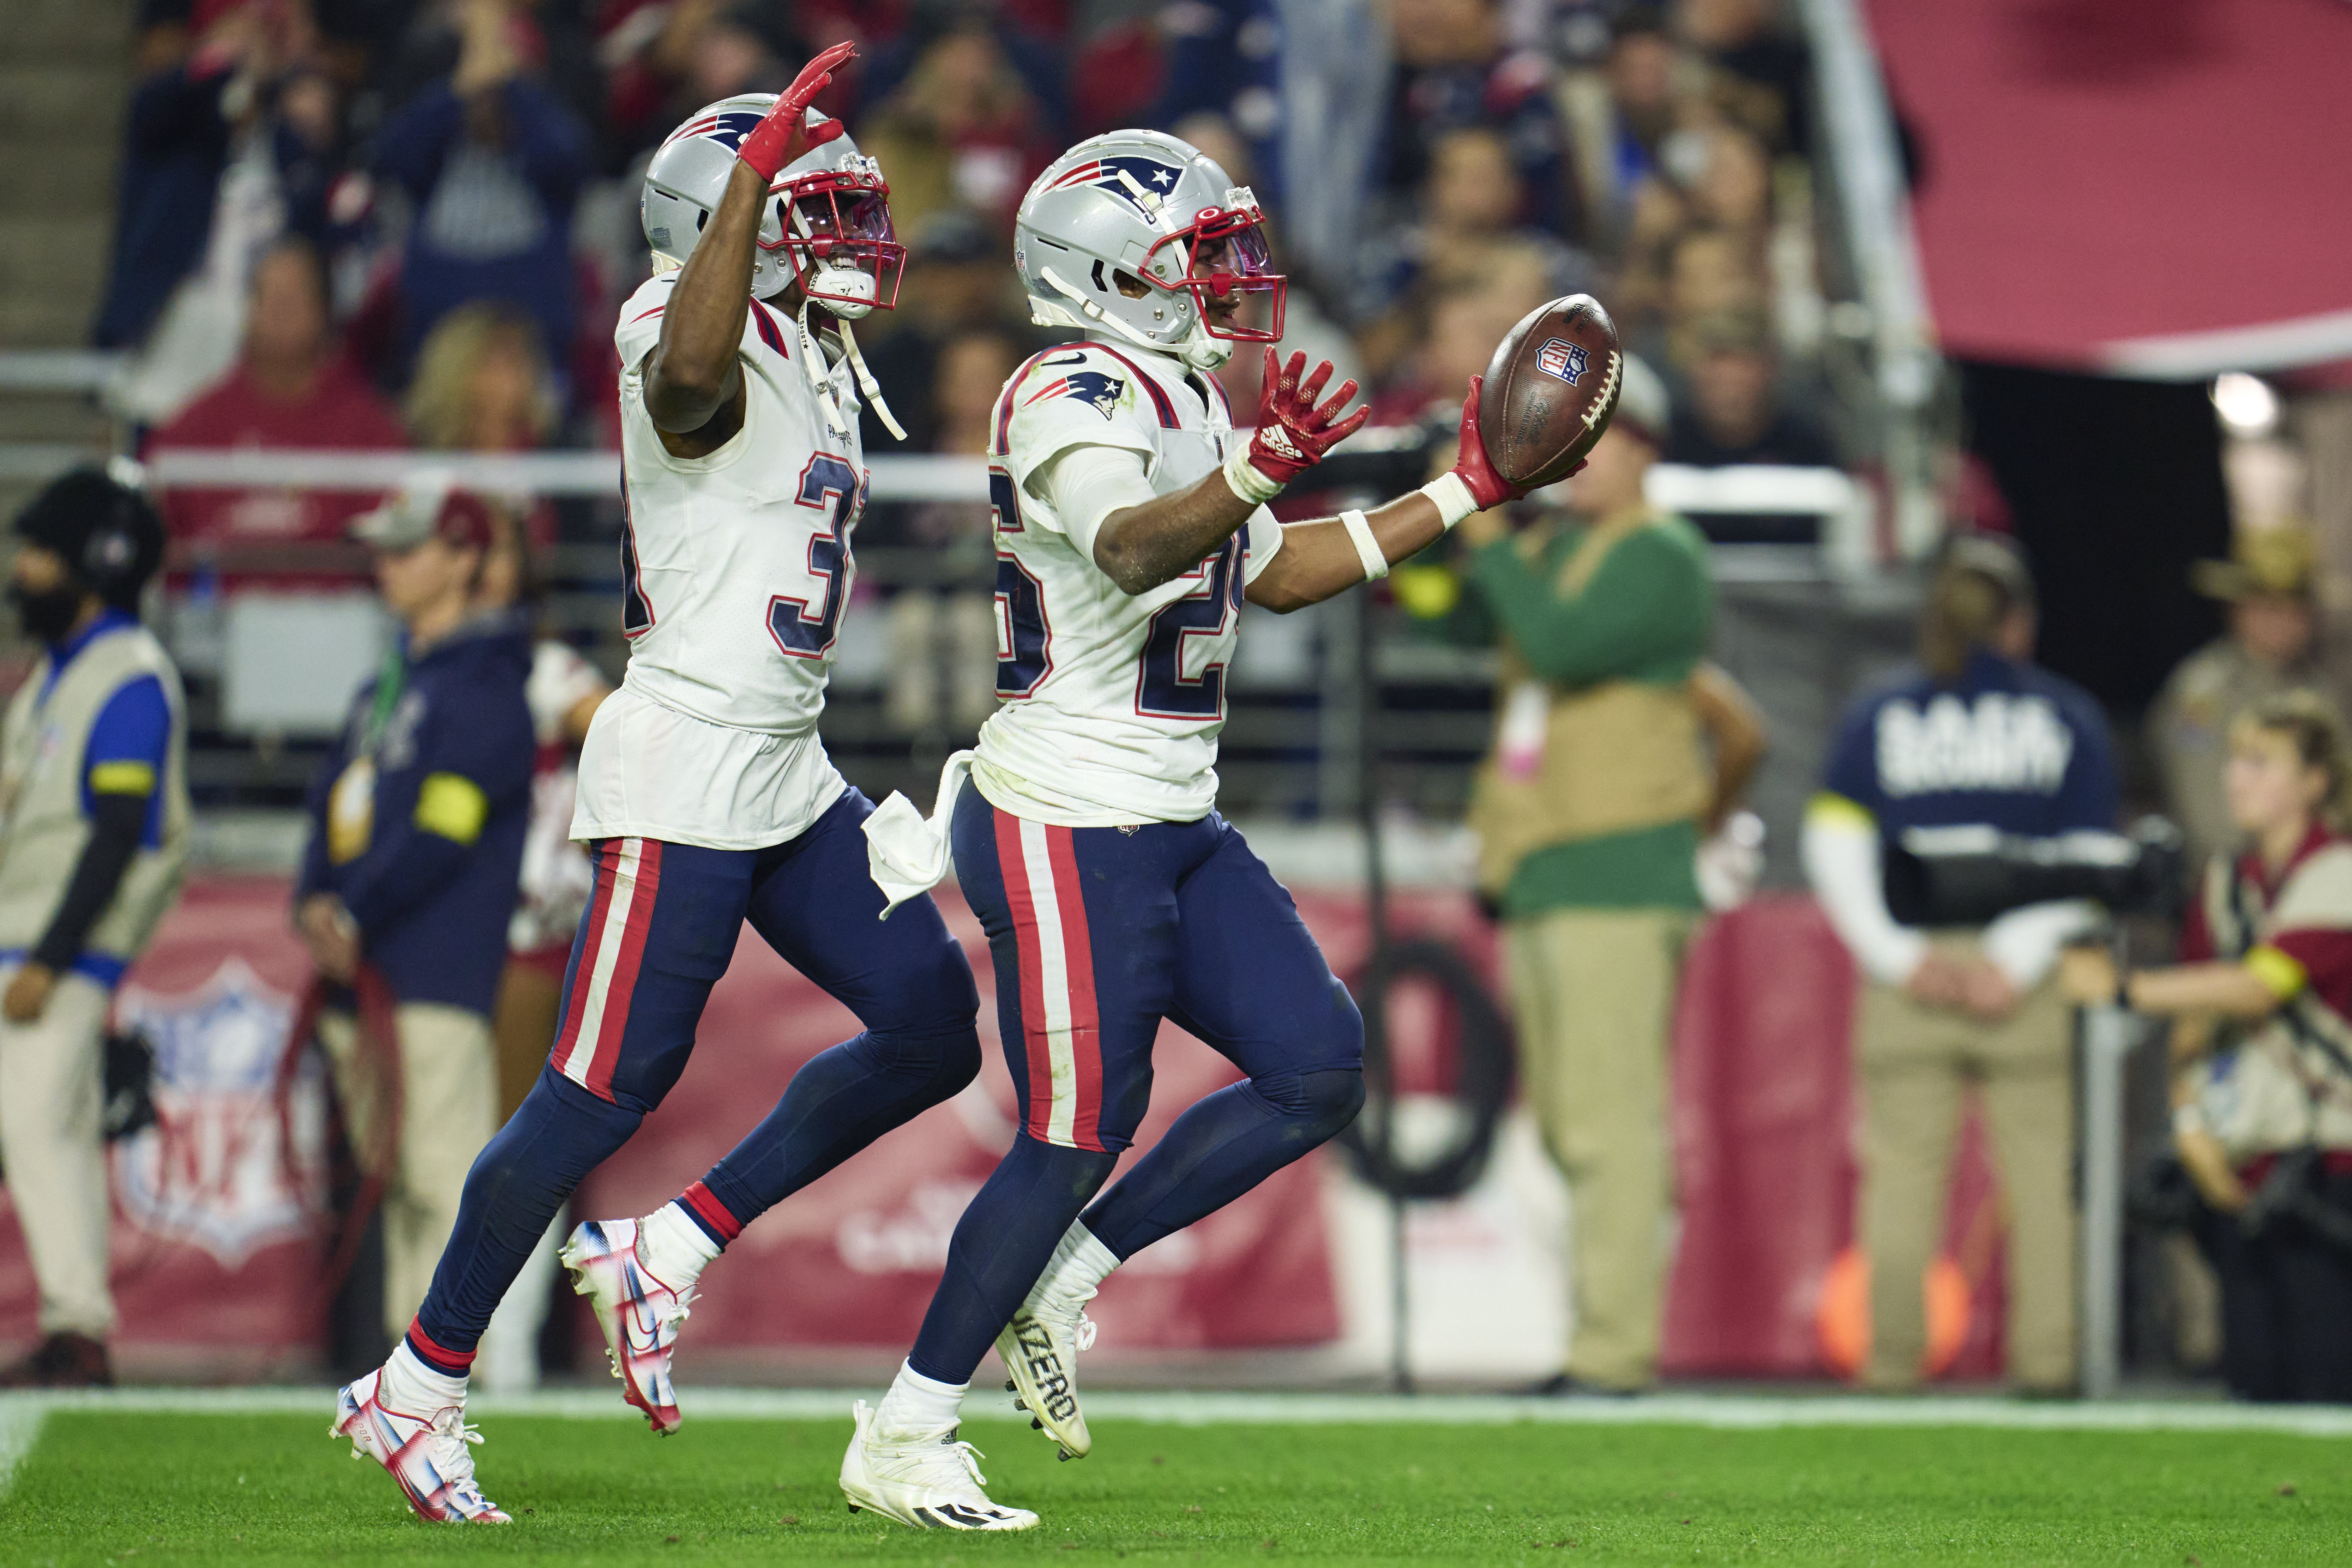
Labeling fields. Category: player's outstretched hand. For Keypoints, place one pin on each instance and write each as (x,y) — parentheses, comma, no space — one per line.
(1476,469)
(780,137)
(1292,431)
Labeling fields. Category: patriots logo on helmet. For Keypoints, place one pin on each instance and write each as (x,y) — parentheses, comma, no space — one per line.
(1151,174)
(1097,391)
(1560,357)
(728,130)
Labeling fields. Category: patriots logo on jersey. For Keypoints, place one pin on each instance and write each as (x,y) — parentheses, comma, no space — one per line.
(728,130)
(1155,177)
(1560,357)
(1093,388)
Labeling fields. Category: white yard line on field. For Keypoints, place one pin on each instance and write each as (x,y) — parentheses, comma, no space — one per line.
(20,1429)
(20,1414)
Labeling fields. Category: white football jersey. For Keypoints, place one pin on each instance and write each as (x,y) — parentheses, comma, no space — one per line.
(1112,704)
(736,567)
(736,570)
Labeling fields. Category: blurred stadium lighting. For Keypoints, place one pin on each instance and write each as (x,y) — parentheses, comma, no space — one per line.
(2246,404)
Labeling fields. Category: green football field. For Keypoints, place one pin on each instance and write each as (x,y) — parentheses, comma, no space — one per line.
(156,1479)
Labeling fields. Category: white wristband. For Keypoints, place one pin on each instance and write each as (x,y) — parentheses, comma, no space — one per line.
(1454,501)
(1367,549)
(2187,1120)
(1247,481)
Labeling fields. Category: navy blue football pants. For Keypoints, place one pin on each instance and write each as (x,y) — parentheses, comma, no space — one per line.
(658,933)
(1098,934)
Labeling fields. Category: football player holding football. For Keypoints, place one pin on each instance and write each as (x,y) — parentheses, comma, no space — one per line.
(1132,525)
(705,794)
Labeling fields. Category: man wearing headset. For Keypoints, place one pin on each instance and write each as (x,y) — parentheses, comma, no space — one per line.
(93,838)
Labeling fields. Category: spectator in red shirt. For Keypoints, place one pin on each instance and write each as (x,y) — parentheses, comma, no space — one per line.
(292,388)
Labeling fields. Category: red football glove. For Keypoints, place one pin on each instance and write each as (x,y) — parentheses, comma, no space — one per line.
(780,137)
(1293,433)
(1476,469)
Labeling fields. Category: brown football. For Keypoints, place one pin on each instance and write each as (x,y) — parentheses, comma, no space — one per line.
(1551,390)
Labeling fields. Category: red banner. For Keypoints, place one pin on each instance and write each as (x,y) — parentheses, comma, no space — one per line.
(216,1260)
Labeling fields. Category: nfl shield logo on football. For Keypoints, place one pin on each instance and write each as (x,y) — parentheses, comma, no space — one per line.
(1560,357)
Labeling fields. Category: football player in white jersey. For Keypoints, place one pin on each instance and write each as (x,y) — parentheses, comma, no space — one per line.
(705,794)
(1131,526)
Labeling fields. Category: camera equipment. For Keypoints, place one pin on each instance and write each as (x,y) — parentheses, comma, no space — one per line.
(1968,875)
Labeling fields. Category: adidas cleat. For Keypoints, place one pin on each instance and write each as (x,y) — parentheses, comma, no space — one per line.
(930,1482)
(1040,1348)
(431,1456)
(639,1313)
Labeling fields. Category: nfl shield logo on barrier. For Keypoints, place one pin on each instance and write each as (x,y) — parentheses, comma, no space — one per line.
(1560,357)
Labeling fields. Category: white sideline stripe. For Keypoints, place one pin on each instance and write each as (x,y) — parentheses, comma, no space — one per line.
(1732,1412)
(1052,983)
(20,1429)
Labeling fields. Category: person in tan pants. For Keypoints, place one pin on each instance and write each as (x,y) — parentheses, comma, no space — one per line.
(1589,814)
(1917,1064)
(1973,740)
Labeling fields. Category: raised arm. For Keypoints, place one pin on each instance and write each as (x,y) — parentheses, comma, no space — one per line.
(694,385)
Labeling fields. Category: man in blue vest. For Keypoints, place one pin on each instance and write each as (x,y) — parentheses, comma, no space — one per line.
(93,837)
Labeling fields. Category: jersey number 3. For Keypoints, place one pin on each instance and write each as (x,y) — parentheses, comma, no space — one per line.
(804,628)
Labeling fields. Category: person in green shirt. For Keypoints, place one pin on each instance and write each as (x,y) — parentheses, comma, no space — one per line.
(1589,811)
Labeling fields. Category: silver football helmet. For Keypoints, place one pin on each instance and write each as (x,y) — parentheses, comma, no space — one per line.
(1157,210)
(828,227)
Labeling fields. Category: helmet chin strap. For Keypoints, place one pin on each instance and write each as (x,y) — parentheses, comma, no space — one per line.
(1198,350)
(812,356)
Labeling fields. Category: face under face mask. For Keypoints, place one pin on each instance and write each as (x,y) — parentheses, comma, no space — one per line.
(49,614)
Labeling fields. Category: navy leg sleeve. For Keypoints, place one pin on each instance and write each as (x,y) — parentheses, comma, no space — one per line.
(906,979)
(1001,1244)
(1251,982)
(523,1175)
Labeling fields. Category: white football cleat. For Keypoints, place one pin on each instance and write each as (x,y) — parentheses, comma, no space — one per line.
(639,1313)
(931,1482)
(429,1455)
(1040,1348)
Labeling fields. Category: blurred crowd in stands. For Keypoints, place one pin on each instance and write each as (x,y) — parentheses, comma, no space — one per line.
(386,223)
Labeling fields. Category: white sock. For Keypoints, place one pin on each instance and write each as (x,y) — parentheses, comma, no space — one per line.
(413,1388)
(676,1247)
(918,1406)
(1080,1264)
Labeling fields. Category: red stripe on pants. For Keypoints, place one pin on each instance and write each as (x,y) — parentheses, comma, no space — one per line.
(567,1039)
(633,928)
(1085,1020)
(1036,1050)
